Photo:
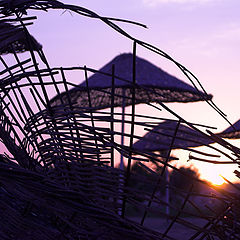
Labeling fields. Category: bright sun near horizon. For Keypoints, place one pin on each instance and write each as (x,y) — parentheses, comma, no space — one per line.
(208,172)
(215,178)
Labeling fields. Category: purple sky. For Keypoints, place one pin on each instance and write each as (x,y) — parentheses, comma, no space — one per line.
(203,35)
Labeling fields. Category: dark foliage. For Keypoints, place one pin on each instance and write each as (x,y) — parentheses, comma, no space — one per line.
(184,178)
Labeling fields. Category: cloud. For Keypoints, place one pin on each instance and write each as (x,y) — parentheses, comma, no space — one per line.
(157,2)
(231,33)
(212,44)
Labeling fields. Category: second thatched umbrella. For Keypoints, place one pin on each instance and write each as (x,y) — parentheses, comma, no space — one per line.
(14,39)
(170,135)
(160,138)
(232,132)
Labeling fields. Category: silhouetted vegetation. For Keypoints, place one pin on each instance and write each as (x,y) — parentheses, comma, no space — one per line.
(184,178)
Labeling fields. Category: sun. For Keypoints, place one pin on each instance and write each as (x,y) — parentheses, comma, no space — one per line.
(215,178)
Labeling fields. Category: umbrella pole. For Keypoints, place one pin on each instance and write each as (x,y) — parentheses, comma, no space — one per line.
(121,165)
(167,193)
(123,127)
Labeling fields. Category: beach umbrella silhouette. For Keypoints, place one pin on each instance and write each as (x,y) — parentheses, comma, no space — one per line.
(232,132)
(152,85)
(14,39)
(165,87)
(160,138)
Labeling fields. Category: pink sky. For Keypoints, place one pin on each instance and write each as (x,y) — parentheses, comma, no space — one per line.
(203,35)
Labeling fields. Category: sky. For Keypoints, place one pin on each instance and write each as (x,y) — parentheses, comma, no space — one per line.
(203,35)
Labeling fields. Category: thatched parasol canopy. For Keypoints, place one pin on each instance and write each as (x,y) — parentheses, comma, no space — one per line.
(152,85)
(160,138)
(14,39)
(231,132)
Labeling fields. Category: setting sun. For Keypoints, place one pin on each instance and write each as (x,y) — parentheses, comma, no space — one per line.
(209,172)
(215,178)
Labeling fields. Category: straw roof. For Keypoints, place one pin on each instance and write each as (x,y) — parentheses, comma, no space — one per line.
(232,131)
(152,85)
(13,39)
(160,138)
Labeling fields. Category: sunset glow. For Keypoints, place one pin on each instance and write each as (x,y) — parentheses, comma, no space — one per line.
(215,178)
(206,171)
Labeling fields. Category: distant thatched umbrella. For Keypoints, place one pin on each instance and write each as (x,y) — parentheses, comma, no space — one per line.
(160,138)
(14,39)
(163,86)
(232,132)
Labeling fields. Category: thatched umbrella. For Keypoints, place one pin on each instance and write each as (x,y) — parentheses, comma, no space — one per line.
(232,132)
(160,139)
(13,39)
(161,86)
